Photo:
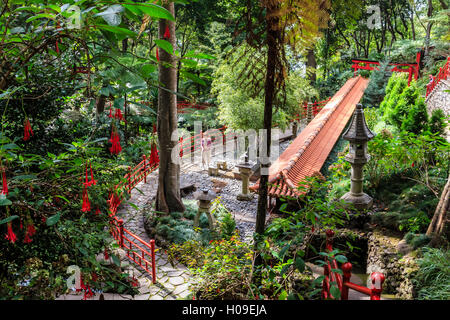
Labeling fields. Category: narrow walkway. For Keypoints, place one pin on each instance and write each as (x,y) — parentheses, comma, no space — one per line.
(172,282)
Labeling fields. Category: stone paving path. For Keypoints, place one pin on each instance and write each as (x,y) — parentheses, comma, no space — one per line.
(172,282)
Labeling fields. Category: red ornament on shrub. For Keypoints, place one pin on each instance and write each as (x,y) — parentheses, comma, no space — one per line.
(118,115)
(86,204)
(27,238)
(115,141)
(154,158)
(92,181)
(27,131)
(31,230)
(167,33)
(10,235)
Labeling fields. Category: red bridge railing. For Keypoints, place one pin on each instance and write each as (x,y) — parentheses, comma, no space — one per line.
(443,74)
(410,68)
(343,281)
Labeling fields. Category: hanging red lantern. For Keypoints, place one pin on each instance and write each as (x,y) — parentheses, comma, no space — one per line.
(115,141)
(31,230)
(118,115)
(166,33)
(92,181)
(27,238)
(27,131)
(154,158)
(86,204)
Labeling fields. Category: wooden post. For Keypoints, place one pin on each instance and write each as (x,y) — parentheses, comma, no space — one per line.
(145,168)
(347,274)
(377,285)
(152,247)
(120,232)
(192,148)
(129,180)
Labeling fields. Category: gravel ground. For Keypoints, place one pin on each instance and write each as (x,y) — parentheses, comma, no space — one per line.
(244,212)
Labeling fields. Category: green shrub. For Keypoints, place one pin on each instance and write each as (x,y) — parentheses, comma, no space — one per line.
(437,122)
(432,280)
(417,119)
(223,265)
(417,240)
(405,102)
(398,84)
(226,222)
(176,215)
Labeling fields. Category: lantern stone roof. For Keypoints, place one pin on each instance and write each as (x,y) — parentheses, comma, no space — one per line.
(305,156)
(358,131)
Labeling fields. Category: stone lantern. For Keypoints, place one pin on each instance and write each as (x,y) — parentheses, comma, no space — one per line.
(245,171)
(358,134)
(204,198)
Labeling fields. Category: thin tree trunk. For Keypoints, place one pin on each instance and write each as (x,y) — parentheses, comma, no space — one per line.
(311,64)
(413,29)
(429,26)
(168,198)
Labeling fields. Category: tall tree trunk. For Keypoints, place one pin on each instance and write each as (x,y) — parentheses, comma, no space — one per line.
(168,198)
(311,64)
(269,92)
(413,29)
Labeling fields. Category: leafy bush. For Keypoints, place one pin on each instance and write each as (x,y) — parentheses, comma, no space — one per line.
(178,227)
(432,280)
(405,102)
(224,267)
(417,119)
(437,122)
(409,206)
(394,88)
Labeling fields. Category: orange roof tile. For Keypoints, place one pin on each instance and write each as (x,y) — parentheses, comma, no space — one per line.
(306,155)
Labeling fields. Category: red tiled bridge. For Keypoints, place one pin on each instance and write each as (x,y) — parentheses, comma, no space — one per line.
(306,155)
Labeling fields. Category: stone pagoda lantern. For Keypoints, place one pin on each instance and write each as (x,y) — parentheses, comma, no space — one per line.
(245,171)
(358,134)
(204,198)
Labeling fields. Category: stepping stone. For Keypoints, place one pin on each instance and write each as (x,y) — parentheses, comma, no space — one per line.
(181,288)
(168,286)
(175,273)
(184,294)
